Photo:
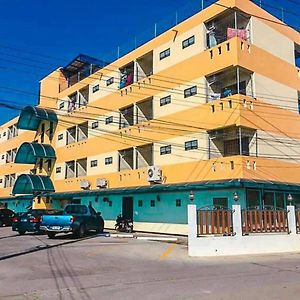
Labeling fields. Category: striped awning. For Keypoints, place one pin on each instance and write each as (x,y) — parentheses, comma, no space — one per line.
(31,116)
(27,184)
(29,153)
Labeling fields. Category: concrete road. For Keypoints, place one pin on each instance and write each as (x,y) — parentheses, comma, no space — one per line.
(99,267)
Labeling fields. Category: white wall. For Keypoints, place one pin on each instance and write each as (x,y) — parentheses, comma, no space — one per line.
(239,244)
(275,93)
(272,41)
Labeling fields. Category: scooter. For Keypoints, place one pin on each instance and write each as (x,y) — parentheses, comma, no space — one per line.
(123,224)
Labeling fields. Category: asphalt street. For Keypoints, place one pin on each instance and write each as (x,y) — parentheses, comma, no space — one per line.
(101,267)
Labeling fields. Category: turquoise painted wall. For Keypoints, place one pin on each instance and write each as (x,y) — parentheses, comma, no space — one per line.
(164,209)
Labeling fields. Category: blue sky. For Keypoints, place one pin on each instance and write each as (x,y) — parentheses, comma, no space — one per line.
(39,36)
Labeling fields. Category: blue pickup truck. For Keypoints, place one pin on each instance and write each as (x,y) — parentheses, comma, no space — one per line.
(76,218)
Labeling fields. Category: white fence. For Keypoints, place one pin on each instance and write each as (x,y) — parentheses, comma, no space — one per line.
(237,243)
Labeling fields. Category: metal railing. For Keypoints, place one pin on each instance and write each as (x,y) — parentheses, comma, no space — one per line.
(214,222)
(264,221)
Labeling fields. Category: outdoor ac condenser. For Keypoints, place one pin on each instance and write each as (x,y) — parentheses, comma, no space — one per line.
(154,174)
(84,184)
(101,182)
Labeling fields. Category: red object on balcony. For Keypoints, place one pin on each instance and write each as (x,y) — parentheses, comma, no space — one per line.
(241,33)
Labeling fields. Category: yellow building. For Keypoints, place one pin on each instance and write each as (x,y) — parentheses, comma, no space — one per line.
(206,112)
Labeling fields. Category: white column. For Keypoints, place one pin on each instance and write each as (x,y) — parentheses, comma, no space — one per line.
(237,220)
(192,221)
(291,216)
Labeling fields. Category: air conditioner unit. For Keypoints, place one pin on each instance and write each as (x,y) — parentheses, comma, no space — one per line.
(154,174)
(101,182)
(84,184)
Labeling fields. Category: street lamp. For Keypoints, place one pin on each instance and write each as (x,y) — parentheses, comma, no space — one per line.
(290,199)
(235,196)
(191,196)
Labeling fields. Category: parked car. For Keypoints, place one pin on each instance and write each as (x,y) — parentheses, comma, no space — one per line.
(6,217)
(30,221)
(76,218)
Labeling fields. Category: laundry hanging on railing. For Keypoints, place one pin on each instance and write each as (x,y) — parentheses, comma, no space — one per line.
(241,33)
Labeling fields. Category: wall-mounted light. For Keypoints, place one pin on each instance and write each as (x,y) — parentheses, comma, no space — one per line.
(290,199)
(191,195)
(235,196)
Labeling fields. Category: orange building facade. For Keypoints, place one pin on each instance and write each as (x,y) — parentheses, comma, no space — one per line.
(205,113)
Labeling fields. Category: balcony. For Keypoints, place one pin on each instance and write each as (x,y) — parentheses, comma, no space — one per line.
(144,110)
(78,99)
(232,141)
(81,67)
(12,131)
(226,26)
(229,82)
(81,167)
(126,117)
(144,66)
(126,75)
(144,156)
(126,159)
(77,133)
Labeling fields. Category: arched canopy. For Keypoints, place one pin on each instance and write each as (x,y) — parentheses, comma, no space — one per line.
(27,184)
(29,153)
(31,116)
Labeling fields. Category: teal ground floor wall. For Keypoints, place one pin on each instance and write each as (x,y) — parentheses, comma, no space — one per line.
(168,204)
(162,207)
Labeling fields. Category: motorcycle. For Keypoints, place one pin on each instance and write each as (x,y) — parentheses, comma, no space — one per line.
(123,224)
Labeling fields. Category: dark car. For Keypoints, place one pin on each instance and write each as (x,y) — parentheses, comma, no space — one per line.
(30,221)
(6,217)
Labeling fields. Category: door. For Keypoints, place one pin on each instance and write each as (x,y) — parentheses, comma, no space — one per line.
(127,208)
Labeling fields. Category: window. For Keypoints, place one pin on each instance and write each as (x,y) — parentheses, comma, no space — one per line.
(253,199)
(60,137)
(96,88)
(95,125)
(140,203)
(94,163)
(110,81)
(165,100)
(188,42)
(178,202)
(61,105)
(152,203)
(109,120)
(165,150)
(108,160)
(220,203)
(190,92)
(164,54)
(191,145)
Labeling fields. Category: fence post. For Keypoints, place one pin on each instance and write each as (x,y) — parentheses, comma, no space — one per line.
(192,221)
(291,216)
(237,220)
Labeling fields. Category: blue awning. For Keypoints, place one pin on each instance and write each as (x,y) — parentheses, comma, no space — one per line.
(29,153)
(31,116)
(27,184)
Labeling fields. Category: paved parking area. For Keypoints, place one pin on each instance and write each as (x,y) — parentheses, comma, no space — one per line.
(100,267)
